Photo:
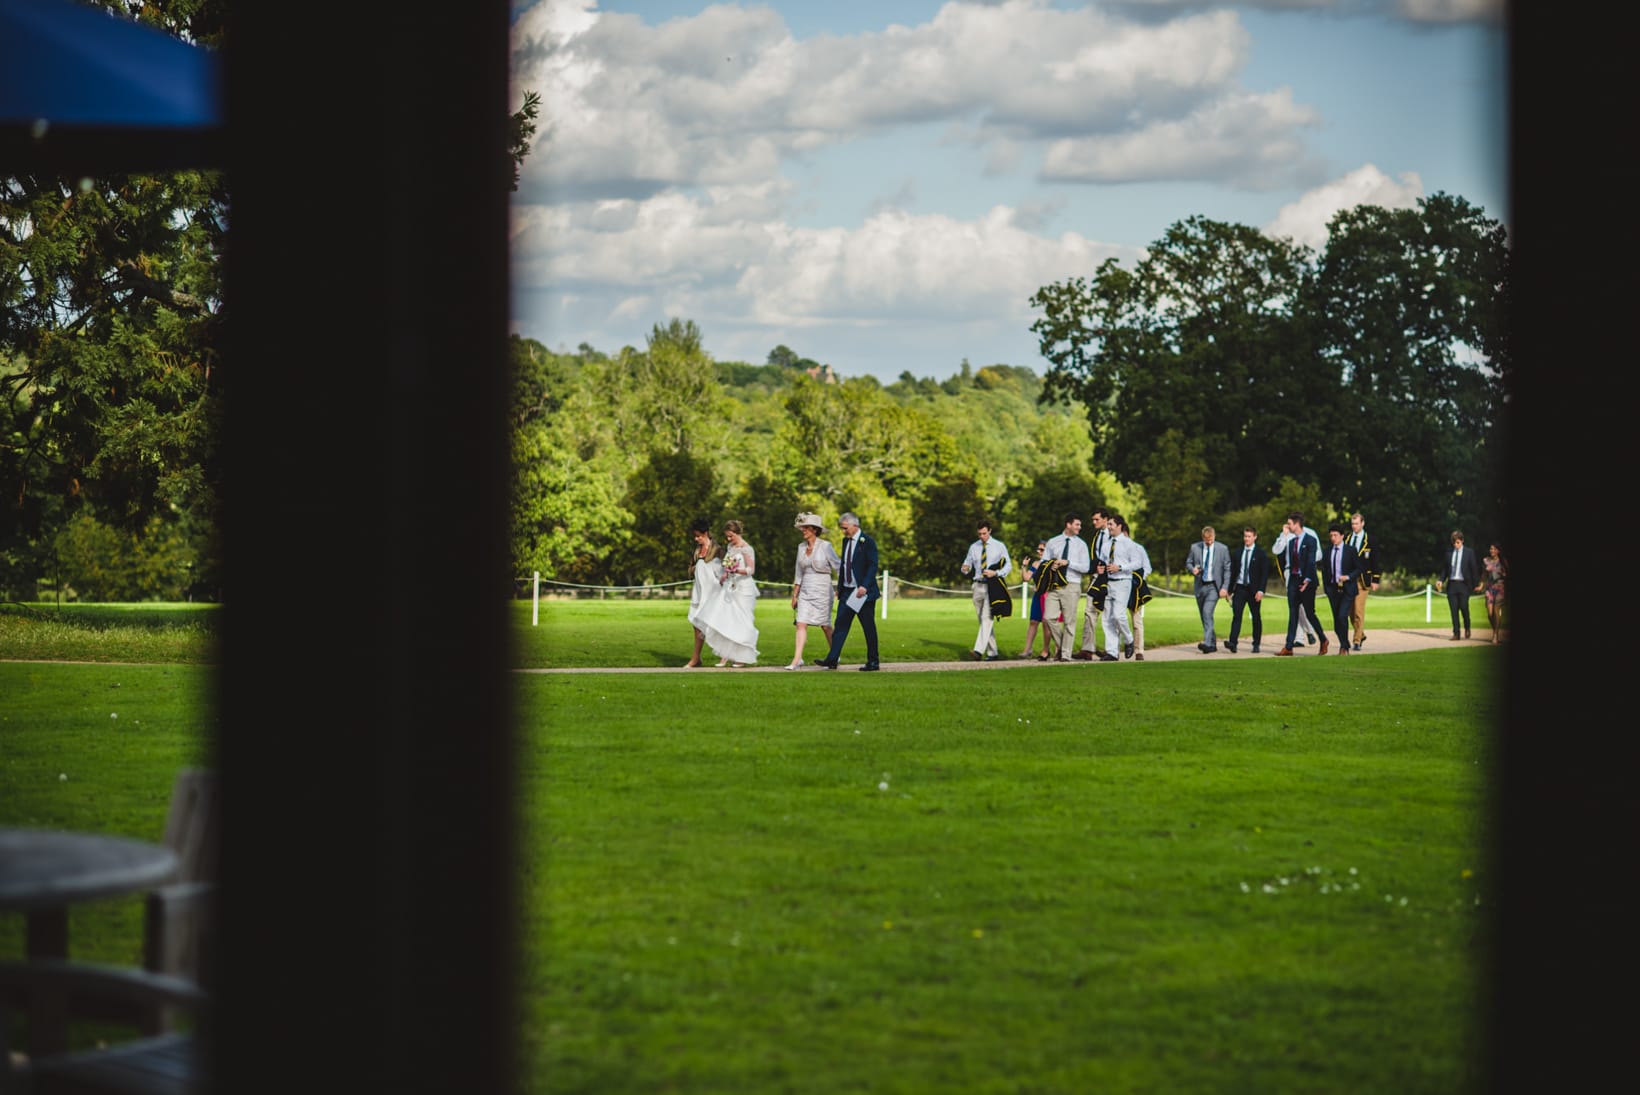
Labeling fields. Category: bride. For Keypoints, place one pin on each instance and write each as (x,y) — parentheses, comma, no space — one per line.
(725,615)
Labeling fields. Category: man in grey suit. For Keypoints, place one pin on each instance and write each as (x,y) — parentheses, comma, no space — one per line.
(1210,563)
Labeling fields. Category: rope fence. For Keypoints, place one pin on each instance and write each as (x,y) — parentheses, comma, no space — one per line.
(890,587)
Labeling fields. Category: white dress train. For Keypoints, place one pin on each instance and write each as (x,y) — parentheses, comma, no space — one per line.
(725,615)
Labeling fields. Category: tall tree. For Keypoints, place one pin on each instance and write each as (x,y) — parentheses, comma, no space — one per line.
(1411,306)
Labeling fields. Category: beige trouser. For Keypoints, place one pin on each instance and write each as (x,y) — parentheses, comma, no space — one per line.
(1138,618)
(1358,612)
(1062,600)
(986,641)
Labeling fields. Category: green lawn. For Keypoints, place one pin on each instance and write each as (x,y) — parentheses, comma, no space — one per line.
(1206,877)
(589,632)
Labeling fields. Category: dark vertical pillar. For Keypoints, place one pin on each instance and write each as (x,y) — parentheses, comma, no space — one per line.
(365,736)
(1566,813)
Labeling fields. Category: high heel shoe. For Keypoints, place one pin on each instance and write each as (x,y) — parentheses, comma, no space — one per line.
(724,664)
(798,664)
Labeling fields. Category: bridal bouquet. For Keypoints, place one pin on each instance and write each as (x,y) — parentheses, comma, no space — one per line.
(733,564)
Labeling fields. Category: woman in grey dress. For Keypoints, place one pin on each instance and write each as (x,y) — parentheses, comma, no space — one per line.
(812,589)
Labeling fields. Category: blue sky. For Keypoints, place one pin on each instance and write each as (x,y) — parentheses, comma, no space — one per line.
(882,185)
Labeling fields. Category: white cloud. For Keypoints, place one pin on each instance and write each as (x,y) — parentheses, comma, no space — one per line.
(1305,220)
(723,261)
(728,95)
(1249,140)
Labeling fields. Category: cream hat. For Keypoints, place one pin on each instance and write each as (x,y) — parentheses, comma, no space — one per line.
(809,519)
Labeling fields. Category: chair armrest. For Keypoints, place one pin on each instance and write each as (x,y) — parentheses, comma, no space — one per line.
(89,980)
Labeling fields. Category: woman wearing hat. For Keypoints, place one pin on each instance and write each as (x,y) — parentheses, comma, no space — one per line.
(812,588)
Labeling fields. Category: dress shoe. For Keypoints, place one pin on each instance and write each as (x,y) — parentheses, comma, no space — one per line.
(826,664)
(870,667)
(1357,647)
(1209,649)
(992,657)
(1297,643)
(1230,645)
(1083,655)
(1359,641)
(1138,657)
(1454,637)
(1106,657)
(1202,647)
(1344,649)
(1127,651)
(1466,633)
(1255,648)
(1041,657)
(1324,646)
(1285,652)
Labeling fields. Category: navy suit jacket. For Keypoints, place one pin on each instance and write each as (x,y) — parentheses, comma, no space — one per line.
(1349,568)
(1303,568)
(1258,568)
(864,565)
(1467,566)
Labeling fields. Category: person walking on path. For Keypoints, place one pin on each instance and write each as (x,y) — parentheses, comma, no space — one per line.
(1300,557)
(1210,563)
(1362,543)
(1463,574)
(1125,562)
(856,592)
(1497,569)
(1249,574)
(987,560)
(812,589)
(1068,562)
(1033,568)
(1139,595)
(1093,607)
(1340,573)
(706,569)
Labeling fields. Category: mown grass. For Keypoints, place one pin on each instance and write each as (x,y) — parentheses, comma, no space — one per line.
(1122,883)
(1219,877)
(638,633)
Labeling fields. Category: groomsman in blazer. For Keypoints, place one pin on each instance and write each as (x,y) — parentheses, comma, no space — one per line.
(1104,530)
(1249,574)
(1362,543)
(1340,571)
(1282,555)
(856,593)
(1463,574)
(1301,582)
(1210,563)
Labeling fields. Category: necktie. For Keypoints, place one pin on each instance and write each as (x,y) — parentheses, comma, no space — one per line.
(1246,565)
(1207,565)
(848,561)
(1337,551)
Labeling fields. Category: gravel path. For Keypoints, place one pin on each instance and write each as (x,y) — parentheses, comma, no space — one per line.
(1378,642)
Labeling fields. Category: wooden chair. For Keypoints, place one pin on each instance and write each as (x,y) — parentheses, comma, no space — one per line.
(162,1064)
(177,916)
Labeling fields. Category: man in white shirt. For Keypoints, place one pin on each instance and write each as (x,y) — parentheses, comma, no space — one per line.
(1280,550)
(1068,555)
(1137,597)
(1094,609)
(1125,560)
(987,558)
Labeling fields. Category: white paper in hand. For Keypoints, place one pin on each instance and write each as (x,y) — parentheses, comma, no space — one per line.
(857,599)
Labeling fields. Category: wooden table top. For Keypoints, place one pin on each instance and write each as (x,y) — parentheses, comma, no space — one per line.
(44,868)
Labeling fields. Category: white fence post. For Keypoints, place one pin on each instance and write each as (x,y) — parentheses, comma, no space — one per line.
(1429,602)
(887,585)
(535,613)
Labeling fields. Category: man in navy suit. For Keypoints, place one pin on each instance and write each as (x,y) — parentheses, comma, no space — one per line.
(1340,573)
(857,592)
(1463,574)
(1300,583)
(1249,574)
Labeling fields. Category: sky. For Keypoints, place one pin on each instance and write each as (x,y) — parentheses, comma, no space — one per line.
(881,185)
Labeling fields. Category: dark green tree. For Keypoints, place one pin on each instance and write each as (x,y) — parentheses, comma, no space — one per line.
(942,526)
(1411,308)
(667,493)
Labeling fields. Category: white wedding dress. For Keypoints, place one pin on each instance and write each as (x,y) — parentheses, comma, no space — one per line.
(725,613)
